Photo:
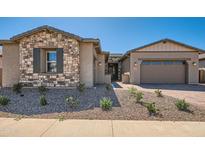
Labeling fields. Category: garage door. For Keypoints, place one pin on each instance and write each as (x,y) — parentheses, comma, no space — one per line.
(163,72)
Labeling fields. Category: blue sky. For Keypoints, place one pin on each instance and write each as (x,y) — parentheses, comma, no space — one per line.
(117,35)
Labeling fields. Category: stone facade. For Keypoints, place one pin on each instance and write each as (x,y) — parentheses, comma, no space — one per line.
(48,39)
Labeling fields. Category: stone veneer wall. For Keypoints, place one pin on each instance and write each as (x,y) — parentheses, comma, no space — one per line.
(46,39)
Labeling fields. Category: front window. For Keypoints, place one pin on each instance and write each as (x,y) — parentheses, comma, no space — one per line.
(51,61)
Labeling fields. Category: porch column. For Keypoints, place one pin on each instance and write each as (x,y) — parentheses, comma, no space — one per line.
(192,72)
(135,65)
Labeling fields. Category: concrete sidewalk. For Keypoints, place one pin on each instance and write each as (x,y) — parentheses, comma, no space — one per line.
(95,128)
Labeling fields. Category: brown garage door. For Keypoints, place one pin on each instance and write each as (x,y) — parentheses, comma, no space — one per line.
(163,72)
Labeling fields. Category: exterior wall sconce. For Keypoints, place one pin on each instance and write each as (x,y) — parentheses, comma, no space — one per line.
(194,64)
(99,63)
(135,64)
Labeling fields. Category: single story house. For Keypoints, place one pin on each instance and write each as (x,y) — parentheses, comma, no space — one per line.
(163,61)
(52,57)
(202,68)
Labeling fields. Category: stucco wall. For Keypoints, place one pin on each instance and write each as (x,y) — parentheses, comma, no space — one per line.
(126,65)
(137,57)
(86,64)
(50,40)
(202,63)
(10,63)
(100,69)
(0,61)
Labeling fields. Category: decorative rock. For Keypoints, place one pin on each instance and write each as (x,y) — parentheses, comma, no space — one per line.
(49,40)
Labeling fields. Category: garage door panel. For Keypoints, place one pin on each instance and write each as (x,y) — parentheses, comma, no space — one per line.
(163,73)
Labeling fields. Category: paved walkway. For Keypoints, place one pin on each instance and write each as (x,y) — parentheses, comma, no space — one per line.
(95,128)
(194,94)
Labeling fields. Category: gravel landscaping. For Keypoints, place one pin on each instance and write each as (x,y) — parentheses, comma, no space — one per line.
(124,106)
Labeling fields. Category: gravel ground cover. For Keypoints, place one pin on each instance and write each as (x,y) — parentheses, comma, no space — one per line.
(124,106)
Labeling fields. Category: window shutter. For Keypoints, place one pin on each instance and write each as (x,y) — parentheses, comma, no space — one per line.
(60,60)
(36,60)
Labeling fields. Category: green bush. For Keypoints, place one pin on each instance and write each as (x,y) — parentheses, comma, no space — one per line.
(4,100)
(182,105)
(132,90)
(105,103)
(152,108)
(108,87)
(158,93)
(138,96)
(17,88)
(43,100)
(81,87)
(72,102)
(42,90)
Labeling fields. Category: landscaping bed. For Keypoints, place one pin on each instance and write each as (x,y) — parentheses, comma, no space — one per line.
(124,106)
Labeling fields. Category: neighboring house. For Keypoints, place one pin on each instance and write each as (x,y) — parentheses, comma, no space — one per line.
(52,57)
(164,61)
(202,68)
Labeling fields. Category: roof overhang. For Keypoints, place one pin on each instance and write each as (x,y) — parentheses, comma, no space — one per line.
(44,28)
(17,38)
(2,42)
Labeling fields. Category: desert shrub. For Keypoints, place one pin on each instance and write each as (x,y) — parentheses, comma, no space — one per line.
(108,87)
(72,102)
(158,93)
(42,90)
(132,90)
(43,100)
(4,100)
(105,103)
(152,108)
(81,87)
(138,96)
(17,88)
(182,105)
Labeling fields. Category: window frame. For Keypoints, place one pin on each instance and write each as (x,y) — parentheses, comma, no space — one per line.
(47,52)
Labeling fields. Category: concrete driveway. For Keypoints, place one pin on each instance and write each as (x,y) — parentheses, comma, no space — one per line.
(98,128)
(194,94)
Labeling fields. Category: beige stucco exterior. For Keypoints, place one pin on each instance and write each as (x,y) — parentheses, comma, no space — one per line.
(164,51)
(126,66)
(0,61)
(25,59)
(86,64)
(202,63)
(10,63)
